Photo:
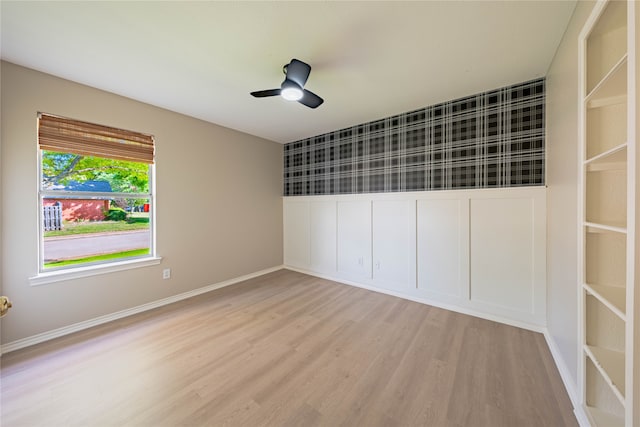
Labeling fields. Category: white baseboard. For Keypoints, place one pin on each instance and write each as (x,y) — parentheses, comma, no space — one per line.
(569,384)
(66,330)
(427,301)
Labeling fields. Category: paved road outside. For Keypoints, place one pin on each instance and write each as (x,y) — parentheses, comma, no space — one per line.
(70,247)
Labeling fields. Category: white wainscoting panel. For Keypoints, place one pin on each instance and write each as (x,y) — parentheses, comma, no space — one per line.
(354,238)
(323,232)
(296,233)
(443,251)
(480,251)
(393,236)
(502,248)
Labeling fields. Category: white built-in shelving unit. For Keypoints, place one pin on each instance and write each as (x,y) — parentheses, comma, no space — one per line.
(607,259)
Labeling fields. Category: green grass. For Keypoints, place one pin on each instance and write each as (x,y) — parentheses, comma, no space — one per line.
(97,258)
(72,228)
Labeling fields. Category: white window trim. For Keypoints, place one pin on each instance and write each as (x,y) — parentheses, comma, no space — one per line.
(58,275)
(92,270)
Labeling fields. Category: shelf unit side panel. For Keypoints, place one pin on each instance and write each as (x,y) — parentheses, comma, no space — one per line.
(606,43)
(604,329)
(606,259)
(599,394)
(633,246)
(606,197)
(606,128)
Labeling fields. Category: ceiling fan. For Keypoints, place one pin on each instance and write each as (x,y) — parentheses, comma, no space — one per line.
(292,89)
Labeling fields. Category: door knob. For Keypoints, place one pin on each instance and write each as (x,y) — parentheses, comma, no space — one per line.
(5,305)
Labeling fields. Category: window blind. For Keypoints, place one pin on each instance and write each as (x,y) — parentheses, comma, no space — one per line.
(73,136)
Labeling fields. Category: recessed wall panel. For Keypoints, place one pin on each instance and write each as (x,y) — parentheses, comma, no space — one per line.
(323,230)
(441,251)
(391,243)
(502,253)
(354,238)
(296,234)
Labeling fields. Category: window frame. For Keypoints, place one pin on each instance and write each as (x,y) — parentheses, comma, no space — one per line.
(54,274)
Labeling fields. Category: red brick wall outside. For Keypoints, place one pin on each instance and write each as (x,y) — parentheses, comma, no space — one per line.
(88,210)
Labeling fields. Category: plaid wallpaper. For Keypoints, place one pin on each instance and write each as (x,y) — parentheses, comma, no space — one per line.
(489,140)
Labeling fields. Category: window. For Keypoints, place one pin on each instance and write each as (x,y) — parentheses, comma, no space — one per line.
(95,199)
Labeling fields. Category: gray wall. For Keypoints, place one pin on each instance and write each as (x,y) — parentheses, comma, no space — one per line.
(219,207)
(562,194)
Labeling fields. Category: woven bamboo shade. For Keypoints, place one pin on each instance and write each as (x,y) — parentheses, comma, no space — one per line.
(73,136)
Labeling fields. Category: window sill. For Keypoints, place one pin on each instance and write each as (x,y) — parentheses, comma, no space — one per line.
(93,270)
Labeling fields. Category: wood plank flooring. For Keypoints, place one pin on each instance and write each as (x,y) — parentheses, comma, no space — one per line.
(287,349)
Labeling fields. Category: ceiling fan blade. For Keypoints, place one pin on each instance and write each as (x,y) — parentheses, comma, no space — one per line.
(298,72)
(310,99)
(264,93)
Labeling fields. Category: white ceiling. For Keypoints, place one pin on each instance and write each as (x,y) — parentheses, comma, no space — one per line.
(369,59)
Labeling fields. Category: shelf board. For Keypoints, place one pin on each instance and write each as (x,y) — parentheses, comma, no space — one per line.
(612,159)
(597,227)
(605,419)
(611,366)
(605,102)
(613,297)
(612,88)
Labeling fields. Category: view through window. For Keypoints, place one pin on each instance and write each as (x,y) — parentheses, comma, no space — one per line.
(95,198)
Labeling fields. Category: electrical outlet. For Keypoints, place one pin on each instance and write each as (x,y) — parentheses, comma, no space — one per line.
(166,273)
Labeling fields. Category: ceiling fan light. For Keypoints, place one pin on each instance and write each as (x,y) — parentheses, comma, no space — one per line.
(291,93)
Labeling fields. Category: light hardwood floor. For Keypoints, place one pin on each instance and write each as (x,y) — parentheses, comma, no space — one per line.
(287,349)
